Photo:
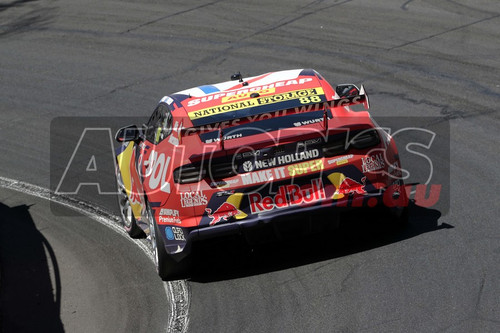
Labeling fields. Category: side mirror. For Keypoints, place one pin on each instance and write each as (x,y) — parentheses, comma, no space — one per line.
(128,133)
(346,90)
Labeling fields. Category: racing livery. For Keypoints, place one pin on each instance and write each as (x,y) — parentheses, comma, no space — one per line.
(223,158)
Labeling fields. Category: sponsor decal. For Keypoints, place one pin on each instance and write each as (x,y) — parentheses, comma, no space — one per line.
(247,166)
(169,233)
(193,199)
(304,155)
(263,164)
(283,159)
(267,87)
(250,119)
(245,95)
(174,233)
(168,215)
(373,162)
(226,137)
(349,101)
(263,176)
(307,122)
(223,213)
(156,170)
(179,235)
(236,122)
(304,96)
(304,168)
(288,196)
(345,185)
(305,108)
(340,160)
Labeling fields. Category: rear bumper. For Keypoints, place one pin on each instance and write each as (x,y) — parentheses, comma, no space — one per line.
(240,227)
(260,219)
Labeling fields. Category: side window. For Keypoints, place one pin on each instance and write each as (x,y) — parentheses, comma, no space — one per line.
(159,125)
(151,125)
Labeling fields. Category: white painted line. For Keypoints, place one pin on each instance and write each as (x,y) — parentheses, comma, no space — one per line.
(176,291)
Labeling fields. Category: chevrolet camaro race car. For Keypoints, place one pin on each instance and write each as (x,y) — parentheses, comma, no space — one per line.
(222,159)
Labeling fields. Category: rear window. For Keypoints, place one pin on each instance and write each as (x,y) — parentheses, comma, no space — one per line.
(263,123)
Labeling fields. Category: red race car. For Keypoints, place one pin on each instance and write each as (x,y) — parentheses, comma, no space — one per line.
(223,158)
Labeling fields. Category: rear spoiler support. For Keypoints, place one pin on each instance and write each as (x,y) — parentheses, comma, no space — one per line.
(360,98)
(221,138)
(325,123)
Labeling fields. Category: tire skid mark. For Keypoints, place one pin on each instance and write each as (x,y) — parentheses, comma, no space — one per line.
(177,292)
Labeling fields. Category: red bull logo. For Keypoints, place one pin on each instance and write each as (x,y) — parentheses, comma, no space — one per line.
(345,185)
(349,185)
(224,212)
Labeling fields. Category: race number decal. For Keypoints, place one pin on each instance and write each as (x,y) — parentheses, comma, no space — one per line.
(310,100)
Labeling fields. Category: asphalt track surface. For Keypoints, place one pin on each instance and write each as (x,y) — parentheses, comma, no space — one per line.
(109,58)
(59,273)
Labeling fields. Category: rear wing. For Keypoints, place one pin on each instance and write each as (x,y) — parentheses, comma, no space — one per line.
(346,95)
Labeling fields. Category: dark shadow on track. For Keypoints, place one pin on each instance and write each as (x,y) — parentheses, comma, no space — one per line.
(358,231)
(28,301)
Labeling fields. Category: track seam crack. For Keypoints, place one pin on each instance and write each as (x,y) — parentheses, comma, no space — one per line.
(171,15)
(443,32)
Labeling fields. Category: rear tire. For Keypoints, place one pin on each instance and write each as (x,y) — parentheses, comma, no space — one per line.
(167,267)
